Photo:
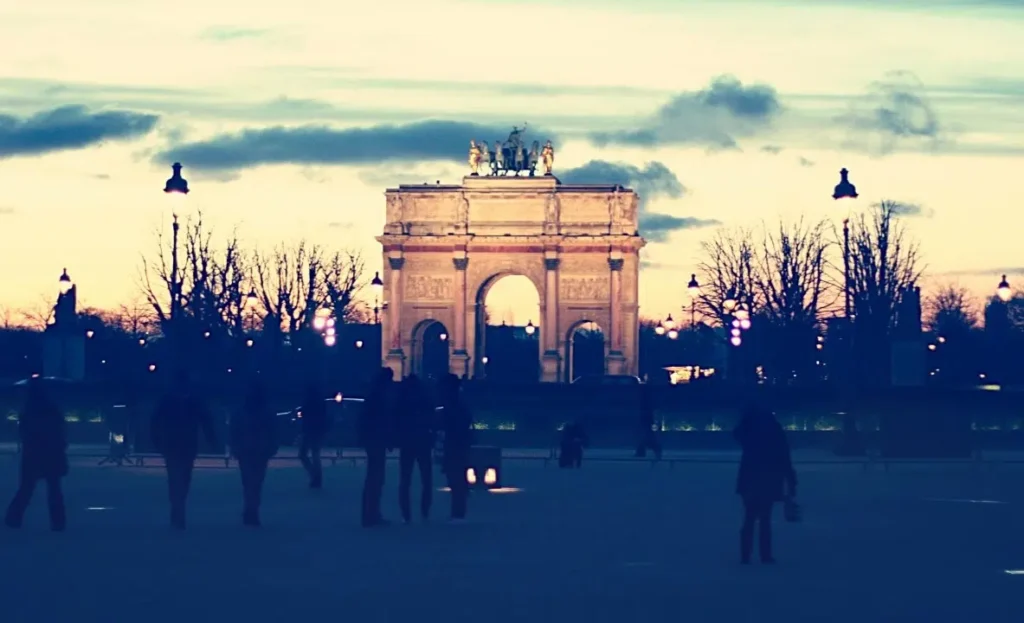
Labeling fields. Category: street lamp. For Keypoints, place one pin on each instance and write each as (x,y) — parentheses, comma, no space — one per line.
(176,187)
(669,323)
(378,288)
(730,301)
(250,300)
(673,334)
(845,190)
(530,329)
(694,288)
(660,329)
(1003,290)
(65,282)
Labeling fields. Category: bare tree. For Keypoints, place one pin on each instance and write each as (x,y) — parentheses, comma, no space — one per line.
(884,264)
(343,278)
(789,278)
(210,279)
(289,284)
(7,318)
(39,315)
(135,318)
(951,310)
(728,271)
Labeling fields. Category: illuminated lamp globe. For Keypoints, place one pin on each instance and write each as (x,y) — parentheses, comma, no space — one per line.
(65,282)
(669,323)
(319,323)
(377,284)
(660,329)
(736,340)
(330,340)
(530,328)
(741,313)
(1003,290)
(745,324)
(673,334)
(693,287)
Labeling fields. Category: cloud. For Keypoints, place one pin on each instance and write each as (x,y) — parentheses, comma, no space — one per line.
(432,140)
(6,210)
(653,181)
(713,116)
(910,210)
(771,149)
(804,162)
(230,33)
(68,127)
(984,272)
(895,113)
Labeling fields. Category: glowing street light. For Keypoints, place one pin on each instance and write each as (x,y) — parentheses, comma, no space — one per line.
(1002,290)
(673,334)
(660,329)
(730,300)
(377,284)
(65,282)
(530,328)
(89,334)
(444,337)
(669,323)
(736,340)
(319,322)
(330,340)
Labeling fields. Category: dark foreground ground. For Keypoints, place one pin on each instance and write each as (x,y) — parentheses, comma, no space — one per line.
(613,542)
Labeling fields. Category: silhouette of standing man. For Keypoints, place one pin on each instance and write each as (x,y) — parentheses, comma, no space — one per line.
(315,426)
(458,439)
(415,437)
(253,442)
(375,436)
(175,431)
(766,470)
(43,456)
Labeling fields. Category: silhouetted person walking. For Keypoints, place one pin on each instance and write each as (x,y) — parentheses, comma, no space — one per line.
(253,442)
(574,438)
(414,432)
(458,439)
(648,426)
(766,471)
(43,456)
(315,426)
(375,425)
(175,428)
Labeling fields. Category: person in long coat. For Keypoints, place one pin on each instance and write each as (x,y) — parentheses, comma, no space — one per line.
(375,436)
(414,435)
(766,476)
(254,441)
(315,425)
(458,441)
(43,456)
(175,428)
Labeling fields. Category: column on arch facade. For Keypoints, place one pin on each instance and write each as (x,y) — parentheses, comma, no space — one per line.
(460,357)
(394,355)
(616,361)
(551,363)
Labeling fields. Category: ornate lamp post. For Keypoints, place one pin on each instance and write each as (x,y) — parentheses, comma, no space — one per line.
(378,288)
(250,300)
(694,289)
(177,188)
(845,190)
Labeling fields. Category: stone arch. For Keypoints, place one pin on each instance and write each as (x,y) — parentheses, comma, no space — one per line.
(572,351)
(444,246)
(431,349)
(480,327)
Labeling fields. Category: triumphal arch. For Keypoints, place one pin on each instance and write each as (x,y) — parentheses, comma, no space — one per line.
(445,245)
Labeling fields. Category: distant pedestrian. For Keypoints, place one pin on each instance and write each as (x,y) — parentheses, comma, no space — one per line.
(574,439)
(179,418)
(766,476)
(315,426)
(414,435)
(43,456)
(375,436)
(458,440)
(648,426)
(254,442)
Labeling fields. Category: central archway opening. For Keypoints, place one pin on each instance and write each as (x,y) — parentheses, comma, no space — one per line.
(431,347)
(586,351)
(508,330)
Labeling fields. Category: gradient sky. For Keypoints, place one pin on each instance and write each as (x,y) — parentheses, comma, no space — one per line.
(292,118)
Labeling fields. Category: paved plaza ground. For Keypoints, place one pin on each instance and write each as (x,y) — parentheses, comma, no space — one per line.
(615,541)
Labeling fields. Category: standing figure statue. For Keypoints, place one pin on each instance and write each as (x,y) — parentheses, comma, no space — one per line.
(547,156)
(499,157)
(532,157)
(475,156)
